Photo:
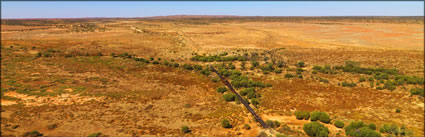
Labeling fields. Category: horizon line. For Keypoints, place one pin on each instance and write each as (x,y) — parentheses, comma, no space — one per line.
(217,16)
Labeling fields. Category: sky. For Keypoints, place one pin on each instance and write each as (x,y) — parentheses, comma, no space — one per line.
(79,9)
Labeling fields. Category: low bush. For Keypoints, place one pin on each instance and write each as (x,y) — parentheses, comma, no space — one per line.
(205,72)
(362,79)
(302,115)
(390,129)
(187,67)
(287,75)
(348,84)
(34,133)
(226,123)
(339,124)
(185,129)
(300,64)
(197,67)
(229,97)
(255,102)
(372,126)
(417,91)
(360,129)
(321,116)
(245,91)
(273,124)
(278,71)
(221,89)
(246,127)
(97,134)
(315,129)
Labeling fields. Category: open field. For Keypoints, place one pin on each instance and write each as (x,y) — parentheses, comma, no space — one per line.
(119,77)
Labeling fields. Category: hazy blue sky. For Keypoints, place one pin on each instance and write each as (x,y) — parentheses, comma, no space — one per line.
(142,9)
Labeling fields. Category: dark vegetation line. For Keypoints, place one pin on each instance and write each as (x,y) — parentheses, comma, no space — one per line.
(258,118)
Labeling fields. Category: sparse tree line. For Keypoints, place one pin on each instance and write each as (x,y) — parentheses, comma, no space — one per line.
(86,27)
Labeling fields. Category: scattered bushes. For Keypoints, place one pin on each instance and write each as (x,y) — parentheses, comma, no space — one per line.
(218,58)
(315,129)
(360,129)
(229,97)
(302,115)
(185,129)
(226,123)
(322,116)
(339,124)
(205,72)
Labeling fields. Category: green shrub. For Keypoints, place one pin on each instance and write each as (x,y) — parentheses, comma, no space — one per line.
(185,129)
(245,91)
(221,89)
(205,72)
(417,91)
(251,95)
(397,110)
(52,126)
(176,65)
(372,126)
(155,62)
(197,67)
(255,102)
(246,127)
(390,129)
(362,79)
(360,129)
(255,64)
(97,134)
(302,115)
(348,84)
(187,67)
(278,71)
(229,97)
(315,129)
(272,124)
(226,123)
(339,124)
(300,64)
(34,133)
(322,116)
(287,75)
(215,79)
